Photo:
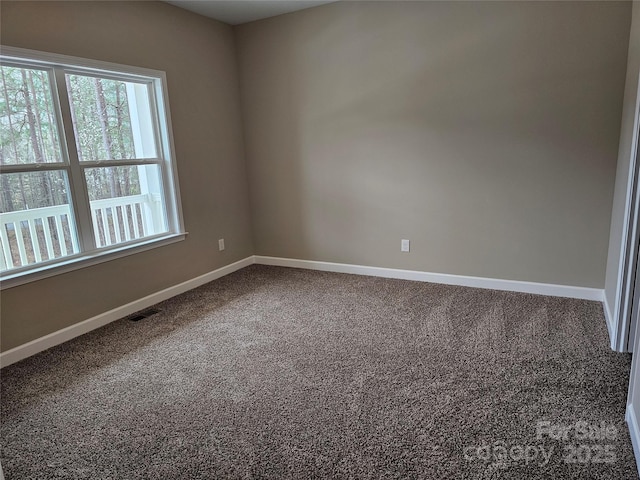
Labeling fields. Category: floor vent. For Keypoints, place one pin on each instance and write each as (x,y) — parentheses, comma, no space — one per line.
(143,314)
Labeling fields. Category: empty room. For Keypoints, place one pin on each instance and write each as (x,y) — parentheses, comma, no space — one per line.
(319,239)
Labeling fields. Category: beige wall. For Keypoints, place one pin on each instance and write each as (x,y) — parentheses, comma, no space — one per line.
(198,55)
(624,158)
(486,133)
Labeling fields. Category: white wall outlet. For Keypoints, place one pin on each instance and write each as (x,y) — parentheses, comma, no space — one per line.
(221,244)
(404,245)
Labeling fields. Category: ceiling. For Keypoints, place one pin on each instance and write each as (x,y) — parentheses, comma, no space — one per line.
(243,11)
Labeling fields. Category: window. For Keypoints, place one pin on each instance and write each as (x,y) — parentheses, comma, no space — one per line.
(87,170)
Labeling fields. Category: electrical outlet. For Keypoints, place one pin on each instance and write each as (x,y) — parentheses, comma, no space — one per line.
(404,246)
(221,244)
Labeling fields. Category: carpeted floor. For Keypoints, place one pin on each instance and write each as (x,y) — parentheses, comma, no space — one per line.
(282,373)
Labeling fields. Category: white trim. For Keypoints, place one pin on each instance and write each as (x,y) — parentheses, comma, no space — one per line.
(165,160)
(611,327)
(80,64)
(69,264)
(35,346)
(31,348)
(584,293)
(629,233)
(634,432)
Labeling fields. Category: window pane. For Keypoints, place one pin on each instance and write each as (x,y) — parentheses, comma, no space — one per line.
(111,118)
(126,203)
(36,223)
(28,128)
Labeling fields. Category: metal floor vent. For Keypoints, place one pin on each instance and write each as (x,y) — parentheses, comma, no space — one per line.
(143,314)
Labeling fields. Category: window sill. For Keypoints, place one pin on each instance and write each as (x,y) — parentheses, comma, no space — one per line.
(9,280)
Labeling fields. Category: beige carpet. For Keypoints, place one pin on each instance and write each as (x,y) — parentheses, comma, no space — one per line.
(283,373)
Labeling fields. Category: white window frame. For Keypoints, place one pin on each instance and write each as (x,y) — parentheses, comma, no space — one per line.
(59,65)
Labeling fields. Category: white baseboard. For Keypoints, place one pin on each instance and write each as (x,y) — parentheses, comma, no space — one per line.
(583,293)
(634,432)
(31,348)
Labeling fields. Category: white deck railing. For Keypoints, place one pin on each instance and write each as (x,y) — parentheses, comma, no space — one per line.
(42,234)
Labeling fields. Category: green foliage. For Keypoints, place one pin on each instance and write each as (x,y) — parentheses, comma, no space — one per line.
(29,134)
(102,122)
(28,130)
